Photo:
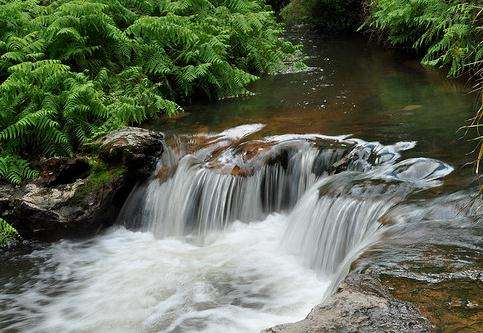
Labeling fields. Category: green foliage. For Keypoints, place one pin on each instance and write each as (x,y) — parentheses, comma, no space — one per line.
(101,175)
(449,32)
(14,169)
(298,12)
(7,233)
(71,70)
(475,125)
(328,15)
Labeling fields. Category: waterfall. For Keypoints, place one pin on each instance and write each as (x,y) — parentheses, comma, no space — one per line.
(335,190)
(197,199)
(335,221)
(239,232)
(341,214)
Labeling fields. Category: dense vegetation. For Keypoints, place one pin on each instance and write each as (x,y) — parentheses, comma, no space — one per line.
(448,33)
(71,70)
(329,15)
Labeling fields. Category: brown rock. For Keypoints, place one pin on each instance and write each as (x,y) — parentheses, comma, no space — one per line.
(78,197)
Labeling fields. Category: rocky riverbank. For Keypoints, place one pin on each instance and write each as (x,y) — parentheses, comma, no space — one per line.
(361,304)
(417,279)
(81,196)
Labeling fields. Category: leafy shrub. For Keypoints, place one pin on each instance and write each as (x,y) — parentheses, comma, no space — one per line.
(298,12)
(449,32)
(71,70)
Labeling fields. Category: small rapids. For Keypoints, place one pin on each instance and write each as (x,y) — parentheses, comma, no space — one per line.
(231,234)
(129,281)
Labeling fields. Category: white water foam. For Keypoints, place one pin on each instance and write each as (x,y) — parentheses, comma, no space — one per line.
(128,281)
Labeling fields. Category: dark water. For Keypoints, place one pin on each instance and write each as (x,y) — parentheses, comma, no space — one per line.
(353,87)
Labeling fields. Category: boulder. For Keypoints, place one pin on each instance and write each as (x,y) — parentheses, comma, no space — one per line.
(137,148)
(62,170)
(81,196)
(361,304)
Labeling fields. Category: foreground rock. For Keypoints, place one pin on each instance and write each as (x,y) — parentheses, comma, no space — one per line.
(434,261)
(79,197)
(361,304)
(135,148)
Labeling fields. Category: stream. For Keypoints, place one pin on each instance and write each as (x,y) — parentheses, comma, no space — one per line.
(260,204)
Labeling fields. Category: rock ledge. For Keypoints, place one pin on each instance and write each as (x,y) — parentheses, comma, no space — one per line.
(361,304)
(79,197)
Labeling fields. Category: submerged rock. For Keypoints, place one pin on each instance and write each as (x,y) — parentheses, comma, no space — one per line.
(81,196)
(431,257)
(361,304)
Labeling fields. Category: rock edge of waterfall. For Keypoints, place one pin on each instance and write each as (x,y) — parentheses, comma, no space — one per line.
(361,304)
(80,196)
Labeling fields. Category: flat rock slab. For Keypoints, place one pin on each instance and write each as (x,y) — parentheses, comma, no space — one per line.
(129,144)
(361,304)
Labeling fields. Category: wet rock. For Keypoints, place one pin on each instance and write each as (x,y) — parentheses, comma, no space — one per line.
(80,196)
(361,304)
(425,276)
(137,148)
(63,170)
(431,257)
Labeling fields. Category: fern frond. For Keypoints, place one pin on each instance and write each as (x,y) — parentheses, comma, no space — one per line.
(7,233)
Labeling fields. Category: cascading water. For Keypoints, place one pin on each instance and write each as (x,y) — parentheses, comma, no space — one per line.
(227,180)
(341,188)
(229,235)
(341,215)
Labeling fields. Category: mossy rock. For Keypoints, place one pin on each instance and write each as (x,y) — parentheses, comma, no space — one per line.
(81,203)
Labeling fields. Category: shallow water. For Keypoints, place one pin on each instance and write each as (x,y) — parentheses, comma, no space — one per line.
(214,273)
(354,87)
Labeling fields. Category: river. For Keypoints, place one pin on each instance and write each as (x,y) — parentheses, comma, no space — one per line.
(249,224)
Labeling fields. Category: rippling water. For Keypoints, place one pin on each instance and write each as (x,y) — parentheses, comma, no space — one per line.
(128,281)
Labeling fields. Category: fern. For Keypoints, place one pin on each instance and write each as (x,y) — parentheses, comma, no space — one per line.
(15,169)
(71,70)
(448,32)
(7,233)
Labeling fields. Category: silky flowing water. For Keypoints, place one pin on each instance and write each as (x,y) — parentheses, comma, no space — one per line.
(259,204)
